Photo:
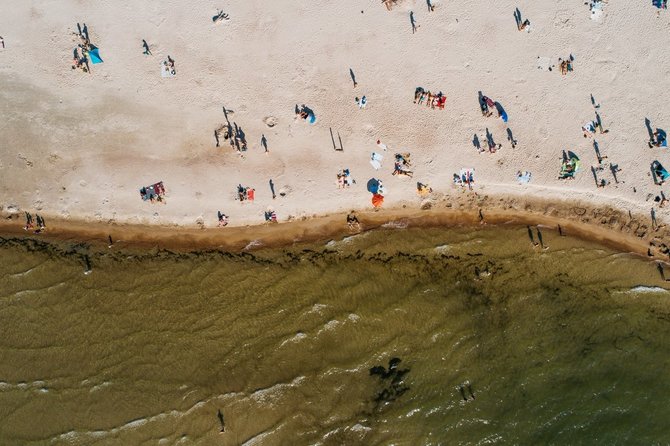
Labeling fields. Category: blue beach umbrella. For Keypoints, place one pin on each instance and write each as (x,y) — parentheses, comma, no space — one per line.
(94,54)
(373,185)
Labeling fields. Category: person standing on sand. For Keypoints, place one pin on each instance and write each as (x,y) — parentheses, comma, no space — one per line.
(530,236)
(145,45)
(413,22)
(272,189)
(2,42)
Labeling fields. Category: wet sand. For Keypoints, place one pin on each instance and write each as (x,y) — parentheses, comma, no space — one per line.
(611,227)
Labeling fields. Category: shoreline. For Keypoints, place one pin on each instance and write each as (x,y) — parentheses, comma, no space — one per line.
(623,231)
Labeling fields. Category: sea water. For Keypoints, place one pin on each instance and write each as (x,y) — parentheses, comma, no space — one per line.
(499,342)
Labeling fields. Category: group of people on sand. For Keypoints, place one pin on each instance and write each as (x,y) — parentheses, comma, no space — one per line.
(30,223)
(565,65)
(432,100)
(344,179)
(80,54)
(402,165)
(306,113)
(658,139)
(154,193)
(234,134)
(168,68)
(488,105)
(245,193)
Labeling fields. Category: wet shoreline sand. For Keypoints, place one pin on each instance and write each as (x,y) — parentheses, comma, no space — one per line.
(611,227)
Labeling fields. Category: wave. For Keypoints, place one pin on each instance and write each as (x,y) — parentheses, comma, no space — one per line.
(647,289)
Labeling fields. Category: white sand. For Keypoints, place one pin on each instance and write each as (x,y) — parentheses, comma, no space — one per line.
(80,146)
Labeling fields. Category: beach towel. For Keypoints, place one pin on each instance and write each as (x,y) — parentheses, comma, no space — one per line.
(311,118)
(523,177)
(250,194)
(382,146)
(376,160)
(544,63)
(94,55)
(166,72)
(596,10)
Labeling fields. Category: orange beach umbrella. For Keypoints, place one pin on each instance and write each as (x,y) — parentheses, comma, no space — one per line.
(377,200)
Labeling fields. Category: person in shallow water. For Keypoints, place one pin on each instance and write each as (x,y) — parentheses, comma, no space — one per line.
(219,414)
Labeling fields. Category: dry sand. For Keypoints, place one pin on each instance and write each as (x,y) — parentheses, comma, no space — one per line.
(76,147)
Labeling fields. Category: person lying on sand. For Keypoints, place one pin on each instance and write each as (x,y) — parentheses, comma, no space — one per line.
(589,129)
(223,219)
(399,169)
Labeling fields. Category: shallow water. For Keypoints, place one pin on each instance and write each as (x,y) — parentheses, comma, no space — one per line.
(559,345)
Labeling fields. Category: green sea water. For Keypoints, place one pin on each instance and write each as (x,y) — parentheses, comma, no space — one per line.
(568,345)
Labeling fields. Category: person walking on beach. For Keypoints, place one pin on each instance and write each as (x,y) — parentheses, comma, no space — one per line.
(2,42)
(147,51)
(264,143)
(413,22)
(272,189)
(353,77)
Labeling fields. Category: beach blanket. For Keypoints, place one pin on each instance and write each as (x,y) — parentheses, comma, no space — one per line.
(376,160)
(596,10)
(523,177)
(544,63)
(166,72)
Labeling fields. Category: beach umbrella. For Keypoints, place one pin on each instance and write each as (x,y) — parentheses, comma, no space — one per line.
(373,185)
(94,54)
(377,200)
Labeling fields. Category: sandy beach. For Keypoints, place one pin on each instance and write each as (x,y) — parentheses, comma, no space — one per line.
(77,147)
